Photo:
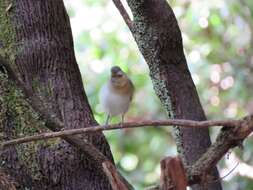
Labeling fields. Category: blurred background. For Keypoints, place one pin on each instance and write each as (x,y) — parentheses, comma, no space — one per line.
(218,44)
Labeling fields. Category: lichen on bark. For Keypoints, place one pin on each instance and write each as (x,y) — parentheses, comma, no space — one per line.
(158,36)
(7,34)
(24,122)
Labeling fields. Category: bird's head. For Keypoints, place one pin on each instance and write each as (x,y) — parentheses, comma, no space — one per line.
(118,77)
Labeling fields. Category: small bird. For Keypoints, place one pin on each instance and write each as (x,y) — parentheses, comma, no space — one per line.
(116,94)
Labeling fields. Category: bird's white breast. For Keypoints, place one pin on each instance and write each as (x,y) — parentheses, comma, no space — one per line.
(113,103)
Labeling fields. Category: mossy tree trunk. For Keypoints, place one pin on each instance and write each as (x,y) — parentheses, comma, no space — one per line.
(158,37)
(36,39)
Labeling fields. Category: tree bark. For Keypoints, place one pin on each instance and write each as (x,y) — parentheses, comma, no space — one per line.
(158,37)
(37,40)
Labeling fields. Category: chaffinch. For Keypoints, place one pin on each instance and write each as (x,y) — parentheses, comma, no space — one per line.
(116,94)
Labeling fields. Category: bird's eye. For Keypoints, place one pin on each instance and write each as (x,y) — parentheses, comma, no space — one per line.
(119,75)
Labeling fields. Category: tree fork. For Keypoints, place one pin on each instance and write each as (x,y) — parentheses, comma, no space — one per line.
(158,37)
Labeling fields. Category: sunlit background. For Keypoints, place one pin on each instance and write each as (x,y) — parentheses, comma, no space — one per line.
(218,45)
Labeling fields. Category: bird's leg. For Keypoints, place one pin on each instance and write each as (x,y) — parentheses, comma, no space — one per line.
(122,119)
(107,119)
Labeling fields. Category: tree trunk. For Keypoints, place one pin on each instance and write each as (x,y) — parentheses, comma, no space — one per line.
(158,37)
(37,40)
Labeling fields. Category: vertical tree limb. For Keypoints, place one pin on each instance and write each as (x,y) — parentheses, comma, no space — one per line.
(123,13)
(158,37)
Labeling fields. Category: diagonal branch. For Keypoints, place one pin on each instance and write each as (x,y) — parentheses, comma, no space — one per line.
(199,172)
(123,13)
(227,139)
(54,124)
(51,121)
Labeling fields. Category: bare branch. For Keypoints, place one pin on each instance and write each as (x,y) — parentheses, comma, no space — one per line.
(229,138)
(123,13)
(158,123)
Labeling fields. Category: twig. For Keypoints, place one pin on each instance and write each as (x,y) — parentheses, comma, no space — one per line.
(169,122)
(223,177)
(243,169)
(123,13)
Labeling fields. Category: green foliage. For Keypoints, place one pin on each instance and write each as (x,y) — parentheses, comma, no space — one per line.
(217,38)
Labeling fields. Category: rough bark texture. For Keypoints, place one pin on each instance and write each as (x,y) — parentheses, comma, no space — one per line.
(5,182)
(37,40)
(158,37)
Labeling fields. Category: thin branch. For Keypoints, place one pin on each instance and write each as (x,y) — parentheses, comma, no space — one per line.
(158,123)
(230,172)
(243,168)
(123,13)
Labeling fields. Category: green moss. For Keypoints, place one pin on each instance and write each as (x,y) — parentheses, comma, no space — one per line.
(3,111)
(13,106)
(24,122)
(7,34)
